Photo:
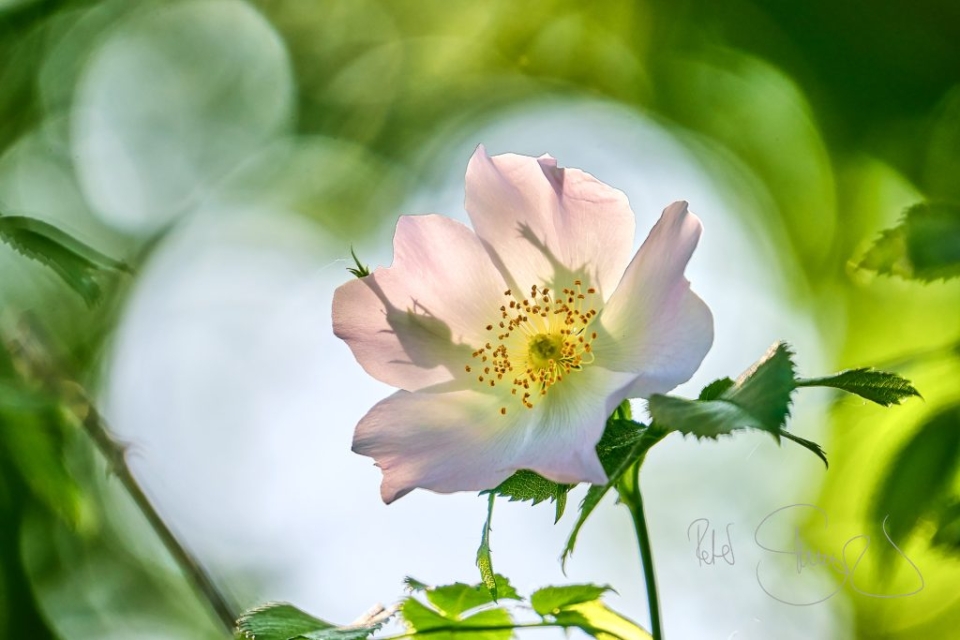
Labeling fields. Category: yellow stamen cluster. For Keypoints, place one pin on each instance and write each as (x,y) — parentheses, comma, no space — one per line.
(537,341)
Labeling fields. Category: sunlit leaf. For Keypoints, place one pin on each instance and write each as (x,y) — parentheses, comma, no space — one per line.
(580,606)
(882,387)
(924,246)
(549,600)
(487,624)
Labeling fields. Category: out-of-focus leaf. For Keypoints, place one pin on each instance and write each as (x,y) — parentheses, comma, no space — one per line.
(924,246)
(882,387)
(580,606)
(282,621)
(948,528)
(30,443)
(919,475)
(76,263)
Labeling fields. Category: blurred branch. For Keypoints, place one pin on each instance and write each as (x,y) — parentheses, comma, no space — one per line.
(33,356)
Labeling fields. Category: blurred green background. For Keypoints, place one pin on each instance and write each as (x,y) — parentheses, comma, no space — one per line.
(125,123)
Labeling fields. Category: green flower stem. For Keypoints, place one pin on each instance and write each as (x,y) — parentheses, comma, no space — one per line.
(33,357)
(629,490)
(115,455)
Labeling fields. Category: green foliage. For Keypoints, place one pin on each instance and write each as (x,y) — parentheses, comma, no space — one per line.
(920,476)
(77,264)
(455,612)
(282,621)
(620,458)
(759,399)
(882,387)
(924,246)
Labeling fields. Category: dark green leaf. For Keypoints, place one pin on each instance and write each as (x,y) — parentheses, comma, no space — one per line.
(484,554)
(282,621)
(619,461)
(924,246)
(715,389)
(550,600)
(76,263)
(526,485)
(920,475)
(759,399)
(947,536)
(882,387)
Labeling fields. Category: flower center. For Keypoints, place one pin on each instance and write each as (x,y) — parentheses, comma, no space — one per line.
(537,341)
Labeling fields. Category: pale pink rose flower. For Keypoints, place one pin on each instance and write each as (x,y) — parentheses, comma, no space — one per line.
(512,343)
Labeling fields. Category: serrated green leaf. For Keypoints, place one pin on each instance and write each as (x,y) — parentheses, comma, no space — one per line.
(759,399)
(550,600)
(924,246)
(919,476)
(525,485)
(488,624)
(882,387)
(453,600)
(484,553)
(76,263)
(644,438)
(715,389)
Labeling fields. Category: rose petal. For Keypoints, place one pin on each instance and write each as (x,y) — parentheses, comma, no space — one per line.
(416,323)
(545,225)
(653,325)
(459,441)
(444,442)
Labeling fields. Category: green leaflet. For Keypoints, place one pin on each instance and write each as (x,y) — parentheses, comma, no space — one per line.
(76,263)
(526,485)
(924,246)
(282,621)
(882,387)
